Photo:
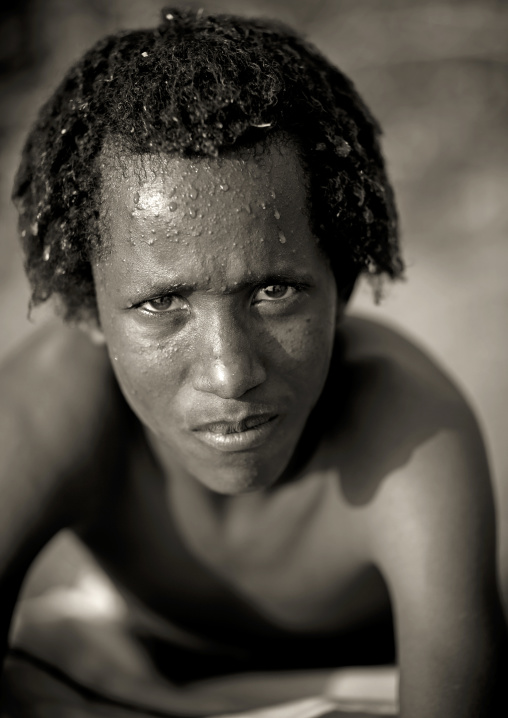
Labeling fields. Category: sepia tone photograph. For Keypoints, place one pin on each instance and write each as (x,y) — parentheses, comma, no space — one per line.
(254,358)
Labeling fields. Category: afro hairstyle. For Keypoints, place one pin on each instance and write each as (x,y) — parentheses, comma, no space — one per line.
(199,85)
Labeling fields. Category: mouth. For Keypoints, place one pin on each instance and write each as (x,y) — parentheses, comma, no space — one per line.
(249,433)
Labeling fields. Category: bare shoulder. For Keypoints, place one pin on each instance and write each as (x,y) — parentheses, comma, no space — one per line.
(414,474)
(412,458)
(57,434)
(416,463)
(398,402)
(54,349)
(396,356)
(58,404)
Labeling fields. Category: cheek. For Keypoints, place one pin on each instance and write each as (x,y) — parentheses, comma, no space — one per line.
(149,372)
(302,349)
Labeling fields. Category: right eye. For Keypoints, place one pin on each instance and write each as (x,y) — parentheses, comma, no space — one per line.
(162,305)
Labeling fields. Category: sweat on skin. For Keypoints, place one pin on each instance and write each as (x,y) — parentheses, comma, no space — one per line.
(217,305)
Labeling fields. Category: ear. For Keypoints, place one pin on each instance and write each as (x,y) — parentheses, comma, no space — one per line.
(93,331)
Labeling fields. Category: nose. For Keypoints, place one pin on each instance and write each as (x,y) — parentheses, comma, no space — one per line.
(229,364)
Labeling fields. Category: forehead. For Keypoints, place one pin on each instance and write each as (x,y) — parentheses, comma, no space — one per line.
(265,176)
(200,218)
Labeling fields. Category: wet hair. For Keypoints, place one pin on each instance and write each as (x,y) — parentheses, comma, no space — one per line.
(199,85)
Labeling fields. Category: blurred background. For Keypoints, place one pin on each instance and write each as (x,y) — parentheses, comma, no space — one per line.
(435,75)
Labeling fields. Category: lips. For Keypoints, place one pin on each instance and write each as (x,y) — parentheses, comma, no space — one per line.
(239,435)
(235,427)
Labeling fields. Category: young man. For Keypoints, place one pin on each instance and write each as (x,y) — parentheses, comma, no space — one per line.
(266,480)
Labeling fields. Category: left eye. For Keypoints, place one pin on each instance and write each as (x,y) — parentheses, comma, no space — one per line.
(275,291)
(166,303)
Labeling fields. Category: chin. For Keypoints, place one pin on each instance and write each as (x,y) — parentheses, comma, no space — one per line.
(235,483)
(227,473)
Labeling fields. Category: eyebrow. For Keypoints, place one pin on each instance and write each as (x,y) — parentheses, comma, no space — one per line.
(160,288)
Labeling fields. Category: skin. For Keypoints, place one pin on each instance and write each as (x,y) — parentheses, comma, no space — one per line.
(394,506)
(216,304)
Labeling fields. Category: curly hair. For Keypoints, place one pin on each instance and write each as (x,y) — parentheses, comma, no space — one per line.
(197,85)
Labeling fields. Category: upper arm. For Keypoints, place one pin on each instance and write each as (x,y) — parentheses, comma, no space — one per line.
(434,528)
(55,404)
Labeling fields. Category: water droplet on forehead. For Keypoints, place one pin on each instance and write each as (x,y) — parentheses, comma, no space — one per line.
(193,194)
(276,213)
(272,194)
(248,208)
(282,237)
(173,206)
(46,253)
(192,212)
(224,186)
(136,197)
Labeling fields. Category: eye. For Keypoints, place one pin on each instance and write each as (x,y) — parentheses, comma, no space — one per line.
(164,304)
(274,292)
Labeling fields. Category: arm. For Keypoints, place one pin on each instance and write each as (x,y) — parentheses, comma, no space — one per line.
(56,403)
(437,553)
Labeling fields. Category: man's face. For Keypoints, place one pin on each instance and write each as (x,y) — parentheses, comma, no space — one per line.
(218,309)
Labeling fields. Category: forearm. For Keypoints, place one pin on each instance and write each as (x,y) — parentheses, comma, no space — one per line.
(467,682)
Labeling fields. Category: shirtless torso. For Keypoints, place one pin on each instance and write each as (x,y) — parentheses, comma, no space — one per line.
(302,567)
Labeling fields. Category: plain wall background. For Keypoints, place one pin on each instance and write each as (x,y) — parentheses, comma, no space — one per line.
(435,75)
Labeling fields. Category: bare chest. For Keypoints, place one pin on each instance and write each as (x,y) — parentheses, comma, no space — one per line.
(295,556)
(290,563)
